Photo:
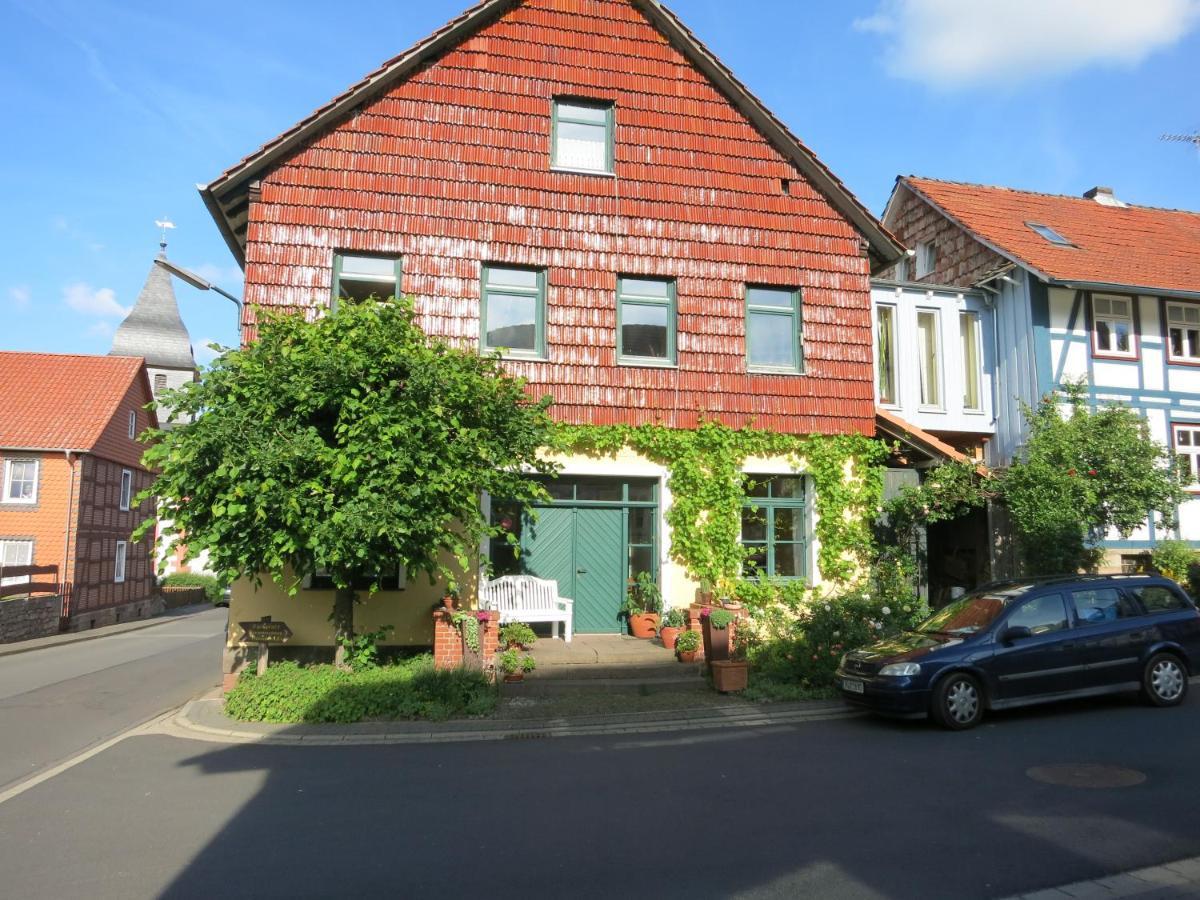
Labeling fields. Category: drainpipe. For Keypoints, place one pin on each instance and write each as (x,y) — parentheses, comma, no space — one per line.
(67,539)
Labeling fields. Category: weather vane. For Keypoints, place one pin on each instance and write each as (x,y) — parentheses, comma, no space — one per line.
(163,224)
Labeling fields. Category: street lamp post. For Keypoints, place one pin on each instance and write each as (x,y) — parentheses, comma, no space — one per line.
(197,282)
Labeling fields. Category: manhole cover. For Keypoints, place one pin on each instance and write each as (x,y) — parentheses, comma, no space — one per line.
(1086,775)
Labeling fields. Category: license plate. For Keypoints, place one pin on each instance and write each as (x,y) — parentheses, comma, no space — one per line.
(851,685)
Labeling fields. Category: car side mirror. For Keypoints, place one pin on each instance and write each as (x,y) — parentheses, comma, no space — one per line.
(1015,633)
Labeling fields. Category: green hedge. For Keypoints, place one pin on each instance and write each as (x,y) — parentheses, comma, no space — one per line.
(410,689)
(213,589)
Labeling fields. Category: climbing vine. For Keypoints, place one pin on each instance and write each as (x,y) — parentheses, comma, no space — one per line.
(706,482)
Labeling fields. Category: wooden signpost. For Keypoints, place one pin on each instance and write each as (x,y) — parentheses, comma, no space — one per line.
(265,632)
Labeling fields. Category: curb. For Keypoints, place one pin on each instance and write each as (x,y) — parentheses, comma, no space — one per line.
(183,725)
(63,640)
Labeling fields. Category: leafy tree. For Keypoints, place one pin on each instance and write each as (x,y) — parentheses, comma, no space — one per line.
(1082,475)
(352,444)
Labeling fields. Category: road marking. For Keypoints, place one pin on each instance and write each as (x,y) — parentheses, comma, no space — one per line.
(32,782)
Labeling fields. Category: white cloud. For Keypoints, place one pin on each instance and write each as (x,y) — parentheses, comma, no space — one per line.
(90,301)
(20,295)
(951,43)
(100,329)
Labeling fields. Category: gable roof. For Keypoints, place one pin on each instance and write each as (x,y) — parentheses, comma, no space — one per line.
(227,197)
(153,329)
(1138,247)
(61,401)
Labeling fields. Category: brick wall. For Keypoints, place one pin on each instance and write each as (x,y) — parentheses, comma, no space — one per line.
(960,259)
(448,645)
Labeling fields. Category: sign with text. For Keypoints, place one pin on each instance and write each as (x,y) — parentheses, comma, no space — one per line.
(265,631)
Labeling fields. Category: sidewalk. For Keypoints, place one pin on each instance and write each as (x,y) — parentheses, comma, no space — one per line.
(74,637)
(1170,880)
(206,720)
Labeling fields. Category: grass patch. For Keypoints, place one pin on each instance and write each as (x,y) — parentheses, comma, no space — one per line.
(765,689)
(288,693)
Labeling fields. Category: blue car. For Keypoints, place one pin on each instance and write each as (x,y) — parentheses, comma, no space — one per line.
(1018,643)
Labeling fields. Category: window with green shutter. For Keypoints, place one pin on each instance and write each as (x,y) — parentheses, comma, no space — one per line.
(513,311)
(646,321)
(773,329)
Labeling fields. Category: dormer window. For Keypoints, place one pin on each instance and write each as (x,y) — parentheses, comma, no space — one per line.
(1050,234)
(582,136)
(926,260)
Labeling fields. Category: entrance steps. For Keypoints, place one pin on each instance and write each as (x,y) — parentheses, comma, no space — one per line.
(610,662)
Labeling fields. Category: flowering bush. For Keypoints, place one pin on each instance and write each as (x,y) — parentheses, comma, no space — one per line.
(796,635)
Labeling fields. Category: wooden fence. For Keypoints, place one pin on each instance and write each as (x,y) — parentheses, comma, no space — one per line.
(31,580)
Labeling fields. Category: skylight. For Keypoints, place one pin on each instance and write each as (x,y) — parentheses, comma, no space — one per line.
(1050,234)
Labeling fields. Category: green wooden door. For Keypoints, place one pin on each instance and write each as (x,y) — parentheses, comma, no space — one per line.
(599,569)
(583,550)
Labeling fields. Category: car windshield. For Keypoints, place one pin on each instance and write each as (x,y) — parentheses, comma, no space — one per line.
(970,614)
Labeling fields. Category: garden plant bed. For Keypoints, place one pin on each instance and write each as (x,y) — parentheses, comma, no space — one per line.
(409,689)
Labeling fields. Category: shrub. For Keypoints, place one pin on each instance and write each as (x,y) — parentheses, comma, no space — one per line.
(719,618)
(1174,560)
(675,618)
(688,642)
(412,689)
(214,590)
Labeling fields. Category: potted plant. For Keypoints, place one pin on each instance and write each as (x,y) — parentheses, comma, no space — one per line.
(517,636)
(673,624)
(715,623)
(687,645)
(514,665)
(733,674)
(643,605)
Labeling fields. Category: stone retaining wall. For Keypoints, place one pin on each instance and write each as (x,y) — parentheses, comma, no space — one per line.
(23,620)
(113,615)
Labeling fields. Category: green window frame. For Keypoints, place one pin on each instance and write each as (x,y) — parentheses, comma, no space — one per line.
(640,298)
(364,271)
(775,526)
(580,115)
(777,311)
(499,283)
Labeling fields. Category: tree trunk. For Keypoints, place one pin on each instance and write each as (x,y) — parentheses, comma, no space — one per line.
(343,622)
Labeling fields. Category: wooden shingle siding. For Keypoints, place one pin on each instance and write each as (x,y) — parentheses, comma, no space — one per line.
(450,169)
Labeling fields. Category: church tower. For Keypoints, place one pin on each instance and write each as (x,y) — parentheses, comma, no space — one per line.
(154,330)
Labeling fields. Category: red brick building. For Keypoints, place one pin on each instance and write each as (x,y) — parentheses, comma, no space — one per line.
(71,468)
(585,186)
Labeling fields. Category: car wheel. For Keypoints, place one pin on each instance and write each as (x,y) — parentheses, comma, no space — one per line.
(1165,681)
(958,702)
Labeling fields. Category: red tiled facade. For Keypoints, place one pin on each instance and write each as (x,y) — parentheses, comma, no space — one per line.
(450,169)
(959,258)
(72,415)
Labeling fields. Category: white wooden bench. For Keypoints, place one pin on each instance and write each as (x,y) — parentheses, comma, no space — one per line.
(524,598)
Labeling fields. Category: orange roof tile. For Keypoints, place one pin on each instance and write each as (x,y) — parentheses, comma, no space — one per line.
(60,401)
(1133,246)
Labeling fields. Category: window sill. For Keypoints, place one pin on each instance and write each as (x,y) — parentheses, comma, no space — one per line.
(636,362)
(1183,362)
(1116,357)
(974,412)
(517,357)
(32,502)
(935,410)
(770,370)
(599,172)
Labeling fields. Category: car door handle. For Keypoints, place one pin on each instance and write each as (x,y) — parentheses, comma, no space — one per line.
(581,571)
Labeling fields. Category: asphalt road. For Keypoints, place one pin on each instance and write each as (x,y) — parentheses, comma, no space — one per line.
(58,701)
(848,808)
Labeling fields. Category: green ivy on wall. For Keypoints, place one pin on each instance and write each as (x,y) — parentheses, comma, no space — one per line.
(706,482)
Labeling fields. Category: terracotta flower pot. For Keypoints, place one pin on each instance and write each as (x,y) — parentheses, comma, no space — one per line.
(514,677)
(729,676)
(687,656)
(644,625)
(669,636)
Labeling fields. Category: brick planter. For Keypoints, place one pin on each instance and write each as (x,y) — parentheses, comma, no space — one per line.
(448,649)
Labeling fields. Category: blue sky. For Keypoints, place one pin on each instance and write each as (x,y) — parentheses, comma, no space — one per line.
(115,111)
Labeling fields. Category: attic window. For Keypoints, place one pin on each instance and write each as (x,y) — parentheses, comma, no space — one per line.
(1050,234)
(360,277)
(583,136)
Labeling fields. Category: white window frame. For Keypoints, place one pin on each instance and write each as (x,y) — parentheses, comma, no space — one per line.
(976,338)
(132,424)
(9,465)
(894,314)
(1130,320)
(926,259)
(1190,450)
(939,404)
(1191,354)
(558,115)
(126,489)
(119,562)
(11,542)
